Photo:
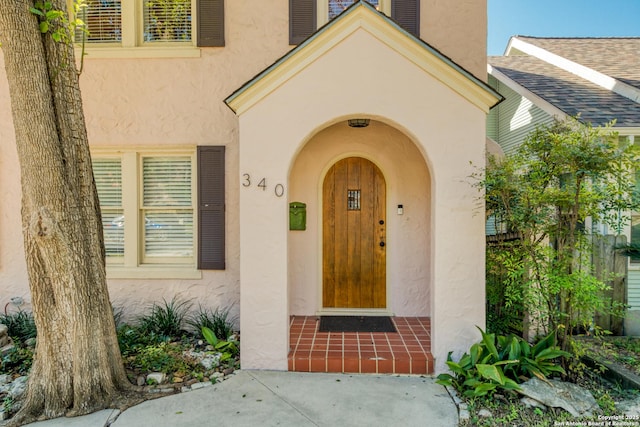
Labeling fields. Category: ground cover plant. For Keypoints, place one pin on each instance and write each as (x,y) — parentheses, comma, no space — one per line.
(169,338)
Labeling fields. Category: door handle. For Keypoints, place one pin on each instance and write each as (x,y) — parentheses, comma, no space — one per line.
(381,244)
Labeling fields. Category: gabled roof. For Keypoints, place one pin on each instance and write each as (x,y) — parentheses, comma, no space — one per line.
(362,15)
(599,78)
(617,57)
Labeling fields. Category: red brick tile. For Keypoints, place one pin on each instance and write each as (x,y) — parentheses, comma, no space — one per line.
(290,364)
(301,365)
(351,354)
(402,366)
(351,365)
(367,366)
(419,367)
(385,366)
(334,364)
(318,365)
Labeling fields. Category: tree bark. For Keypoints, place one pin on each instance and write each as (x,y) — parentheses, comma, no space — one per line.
(77,367)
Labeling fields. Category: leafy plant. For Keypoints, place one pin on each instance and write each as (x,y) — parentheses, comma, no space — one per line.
(218,320)
(166,320)
(161,357)
(227,348)
(501,363)
(561,175)
(131,339)
(20,325)
(17,361)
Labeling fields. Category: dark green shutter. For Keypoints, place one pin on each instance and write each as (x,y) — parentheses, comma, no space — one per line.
(302,20)
(407,14)
(210,23)
(211,211)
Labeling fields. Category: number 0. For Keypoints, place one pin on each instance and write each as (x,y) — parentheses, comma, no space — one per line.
(279,190)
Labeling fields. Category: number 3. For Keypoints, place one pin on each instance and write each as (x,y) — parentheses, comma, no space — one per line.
(247,180)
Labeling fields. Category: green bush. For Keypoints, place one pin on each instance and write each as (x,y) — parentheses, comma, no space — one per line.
(502,363)
(228,349)
(163,357)
(21,325)
(167,320)
(17,361)
(218,320)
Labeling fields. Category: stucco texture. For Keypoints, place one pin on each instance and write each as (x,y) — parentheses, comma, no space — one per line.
(408,235)
(423,136)
(448,133)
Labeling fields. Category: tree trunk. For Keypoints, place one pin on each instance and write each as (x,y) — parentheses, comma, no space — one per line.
(77,367)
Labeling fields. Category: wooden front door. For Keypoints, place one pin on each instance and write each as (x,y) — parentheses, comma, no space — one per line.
(354,236)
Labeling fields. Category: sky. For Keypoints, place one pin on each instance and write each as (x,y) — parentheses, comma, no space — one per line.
(560,18)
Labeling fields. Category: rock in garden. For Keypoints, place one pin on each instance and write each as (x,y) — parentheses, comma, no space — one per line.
(228,371)
(558,394)
(6,349)
(532,403)
(485,413)
(30,342)
(158,377)
(18,387)
(5,379)
(141,380)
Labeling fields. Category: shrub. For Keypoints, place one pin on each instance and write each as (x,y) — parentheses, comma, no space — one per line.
(501,364)
(17,361)
(161,357)
(218,321)
(21,325)
(166,320)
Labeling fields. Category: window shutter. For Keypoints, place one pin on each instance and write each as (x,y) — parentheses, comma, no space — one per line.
(210,23)
(407,14)
(211,210)
(302,20)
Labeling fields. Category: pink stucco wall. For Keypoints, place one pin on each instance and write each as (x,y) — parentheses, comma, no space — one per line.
(153,102)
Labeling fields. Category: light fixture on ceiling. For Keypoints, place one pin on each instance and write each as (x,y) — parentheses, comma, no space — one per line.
(358,123)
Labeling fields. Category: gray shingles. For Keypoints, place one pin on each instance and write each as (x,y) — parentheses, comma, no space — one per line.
(568,92)
(618,57)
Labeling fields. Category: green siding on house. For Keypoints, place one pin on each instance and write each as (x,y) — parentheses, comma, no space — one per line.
(513,119)
(633,297)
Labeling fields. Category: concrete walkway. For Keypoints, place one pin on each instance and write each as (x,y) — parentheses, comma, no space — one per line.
(266,398)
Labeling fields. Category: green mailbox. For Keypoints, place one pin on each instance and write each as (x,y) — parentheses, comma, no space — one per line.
(297,216)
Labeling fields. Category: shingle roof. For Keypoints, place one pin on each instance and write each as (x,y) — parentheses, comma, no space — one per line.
(617,57)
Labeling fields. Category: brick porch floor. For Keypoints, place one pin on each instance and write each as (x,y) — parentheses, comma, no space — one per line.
(407,351)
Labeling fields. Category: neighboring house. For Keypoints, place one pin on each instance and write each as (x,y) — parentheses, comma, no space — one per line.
(206,122)
(598,78)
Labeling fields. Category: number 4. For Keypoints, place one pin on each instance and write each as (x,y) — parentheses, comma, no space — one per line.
(263,184)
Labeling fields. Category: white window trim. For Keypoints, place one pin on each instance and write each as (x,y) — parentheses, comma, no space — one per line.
(133,45)
(132,266)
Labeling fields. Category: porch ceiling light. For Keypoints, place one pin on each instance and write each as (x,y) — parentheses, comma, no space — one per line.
(358,123)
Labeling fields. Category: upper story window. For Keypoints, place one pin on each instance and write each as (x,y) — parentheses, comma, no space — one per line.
(136,23)
(305,16)
(337,6)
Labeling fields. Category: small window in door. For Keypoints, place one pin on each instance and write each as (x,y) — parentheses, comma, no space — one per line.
(353,200)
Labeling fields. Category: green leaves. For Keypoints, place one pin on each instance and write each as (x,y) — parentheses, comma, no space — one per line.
(500,363)
(51,20)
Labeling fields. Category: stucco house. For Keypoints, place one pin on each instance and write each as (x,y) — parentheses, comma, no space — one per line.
(598,78)
(207,122)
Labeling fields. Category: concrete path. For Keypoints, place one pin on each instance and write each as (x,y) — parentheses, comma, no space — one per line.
(266,398)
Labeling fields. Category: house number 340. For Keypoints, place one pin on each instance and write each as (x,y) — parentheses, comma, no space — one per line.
(278,190)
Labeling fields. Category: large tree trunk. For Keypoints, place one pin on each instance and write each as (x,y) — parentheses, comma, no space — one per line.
(77,367)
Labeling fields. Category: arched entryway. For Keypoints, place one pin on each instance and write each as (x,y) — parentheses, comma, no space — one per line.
(354,236)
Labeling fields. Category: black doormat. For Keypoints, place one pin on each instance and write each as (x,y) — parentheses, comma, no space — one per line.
(356,324)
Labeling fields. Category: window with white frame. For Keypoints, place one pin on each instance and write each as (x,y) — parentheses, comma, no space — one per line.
(148,209)
(136,23)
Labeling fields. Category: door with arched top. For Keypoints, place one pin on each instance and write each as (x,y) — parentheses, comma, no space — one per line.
(354,235)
